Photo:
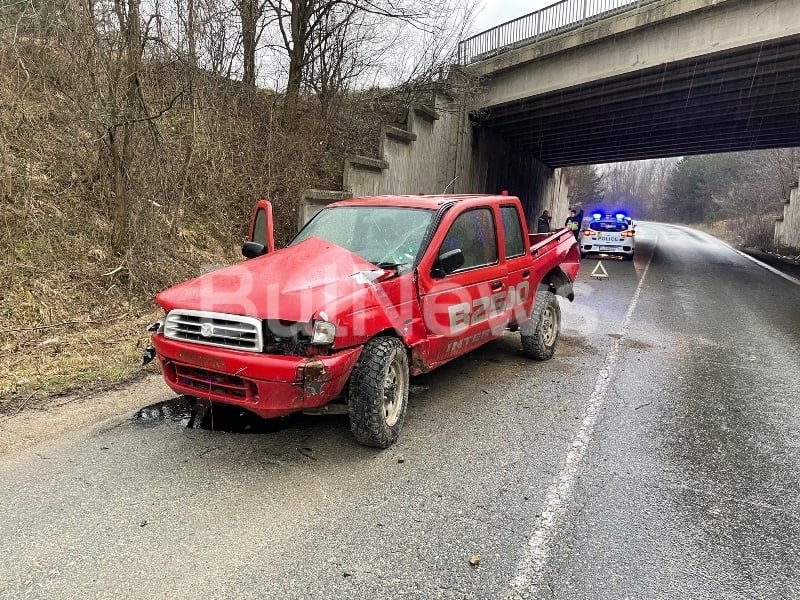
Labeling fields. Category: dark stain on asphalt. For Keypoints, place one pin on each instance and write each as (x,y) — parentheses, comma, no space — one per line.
(199,414)
(572,345)
(637,344)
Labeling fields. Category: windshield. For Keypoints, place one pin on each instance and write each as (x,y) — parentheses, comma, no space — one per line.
(389,237)
(608,226)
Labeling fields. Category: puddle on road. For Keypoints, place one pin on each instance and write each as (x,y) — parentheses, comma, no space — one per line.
(199,414)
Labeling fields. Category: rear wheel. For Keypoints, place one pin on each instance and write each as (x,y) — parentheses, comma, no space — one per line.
(378,392)
(540,334)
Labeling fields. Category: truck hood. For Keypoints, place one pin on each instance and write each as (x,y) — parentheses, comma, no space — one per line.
(291,284)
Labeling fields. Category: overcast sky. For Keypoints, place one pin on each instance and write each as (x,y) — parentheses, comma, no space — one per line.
(495,12)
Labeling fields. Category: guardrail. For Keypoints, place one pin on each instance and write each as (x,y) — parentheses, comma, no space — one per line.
(566,15)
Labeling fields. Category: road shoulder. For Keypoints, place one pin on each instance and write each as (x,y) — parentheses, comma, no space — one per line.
(30,427)
(784,265)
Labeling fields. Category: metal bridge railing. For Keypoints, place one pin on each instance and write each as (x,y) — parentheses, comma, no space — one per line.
(557,18)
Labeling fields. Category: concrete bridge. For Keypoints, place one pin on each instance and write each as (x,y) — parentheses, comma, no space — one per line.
(596,81)
(668,78)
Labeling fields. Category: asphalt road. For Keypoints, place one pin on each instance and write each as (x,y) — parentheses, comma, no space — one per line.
(655,456)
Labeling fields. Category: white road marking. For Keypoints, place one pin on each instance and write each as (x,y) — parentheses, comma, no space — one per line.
(531,568)
(769,268)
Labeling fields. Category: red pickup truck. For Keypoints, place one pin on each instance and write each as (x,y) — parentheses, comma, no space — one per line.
(370,291)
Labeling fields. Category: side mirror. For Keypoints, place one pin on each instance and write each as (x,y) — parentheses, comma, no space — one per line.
(447,262)
(253,249)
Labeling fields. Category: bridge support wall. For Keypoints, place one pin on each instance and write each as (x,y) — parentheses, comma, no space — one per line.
(787,229)
(439,151)
(487,163)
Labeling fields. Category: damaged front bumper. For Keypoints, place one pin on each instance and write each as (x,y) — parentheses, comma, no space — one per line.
(266,384)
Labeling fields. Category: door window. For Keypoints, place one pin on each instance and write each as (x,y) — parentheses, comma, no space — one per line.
(260,227)
(474,233)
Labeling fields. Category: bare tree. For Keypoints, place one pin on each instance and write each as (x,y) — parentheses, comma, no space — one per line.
(429,52)
(250,13)
(638,187)
(339,55)
(113,99)
(204,34)
(307,29)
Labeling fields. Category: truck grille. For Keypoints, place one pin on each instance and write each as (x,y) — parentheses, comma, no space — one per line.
(211,383)
(215,329)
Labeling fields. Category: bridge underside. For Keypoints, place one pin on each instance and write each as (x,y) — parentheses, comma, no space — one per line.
(743,99)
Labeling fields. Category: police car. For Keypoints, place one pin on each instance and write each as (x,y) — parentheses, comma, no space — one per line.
(604,233)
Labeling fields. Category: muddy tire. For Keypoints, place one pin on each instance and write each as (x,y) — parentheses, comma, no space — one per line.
(378,393)
(540,334)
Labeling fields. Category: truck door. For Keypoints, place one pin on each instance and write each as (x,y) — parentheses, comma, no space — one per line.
(463,308)
(260,238)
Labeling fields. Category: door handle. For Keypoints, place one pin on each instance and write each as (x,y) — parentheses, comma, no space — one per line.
(526,273)
(497,285)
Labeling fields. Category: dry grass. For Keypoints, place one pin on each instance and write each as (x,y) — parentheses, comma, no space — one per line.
(755,232)
(80,355)
(73,313)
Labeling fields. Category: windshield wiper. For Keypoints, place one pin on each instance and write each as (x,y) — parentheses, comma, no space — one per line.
(390,265)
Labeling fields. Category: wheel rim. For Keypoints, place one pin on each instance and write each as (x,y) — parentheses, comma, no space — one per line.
(549,326)
(394,389)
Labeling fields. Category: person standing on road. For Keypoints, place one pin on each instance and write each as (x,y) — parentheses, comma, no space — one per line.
(573,222)
(543,225)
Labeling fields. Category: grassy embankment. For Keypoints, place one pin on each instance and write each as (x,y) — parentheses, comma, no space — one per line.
(73,311)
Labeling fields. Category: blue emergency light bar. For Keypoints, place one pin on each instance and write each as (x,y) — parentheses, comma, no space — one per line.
(620,216)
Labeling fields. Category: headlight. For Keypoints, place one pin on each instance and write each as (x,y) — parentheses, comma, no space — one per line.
(324,333)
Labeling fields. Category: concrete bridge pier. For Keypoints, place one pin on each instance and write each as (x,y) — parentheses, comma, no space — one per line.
(441,150)
(483,162)
(787,227)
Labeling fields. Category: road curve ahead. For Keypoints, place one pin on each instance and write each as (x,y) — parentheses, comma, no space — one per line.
(656,456)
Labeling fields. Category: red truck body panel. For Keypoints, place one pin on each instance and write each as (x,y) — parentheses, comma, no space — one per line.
(437,317)
(289,284)
(268,385)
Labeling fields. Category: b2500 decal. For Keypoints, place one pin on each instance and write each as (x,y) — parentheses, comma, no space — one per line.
(465,314)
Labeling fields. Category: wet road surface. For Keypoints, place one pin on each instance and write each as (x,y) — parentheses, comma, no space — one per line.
(691,487)
(655,456)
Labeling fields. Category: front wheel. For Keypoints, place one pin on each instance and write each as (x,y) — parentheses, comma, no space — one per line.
(540,333)
(378,392)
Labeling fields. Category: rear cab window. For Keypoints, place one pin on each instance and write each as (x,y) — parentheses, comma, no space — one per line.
(512,231)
